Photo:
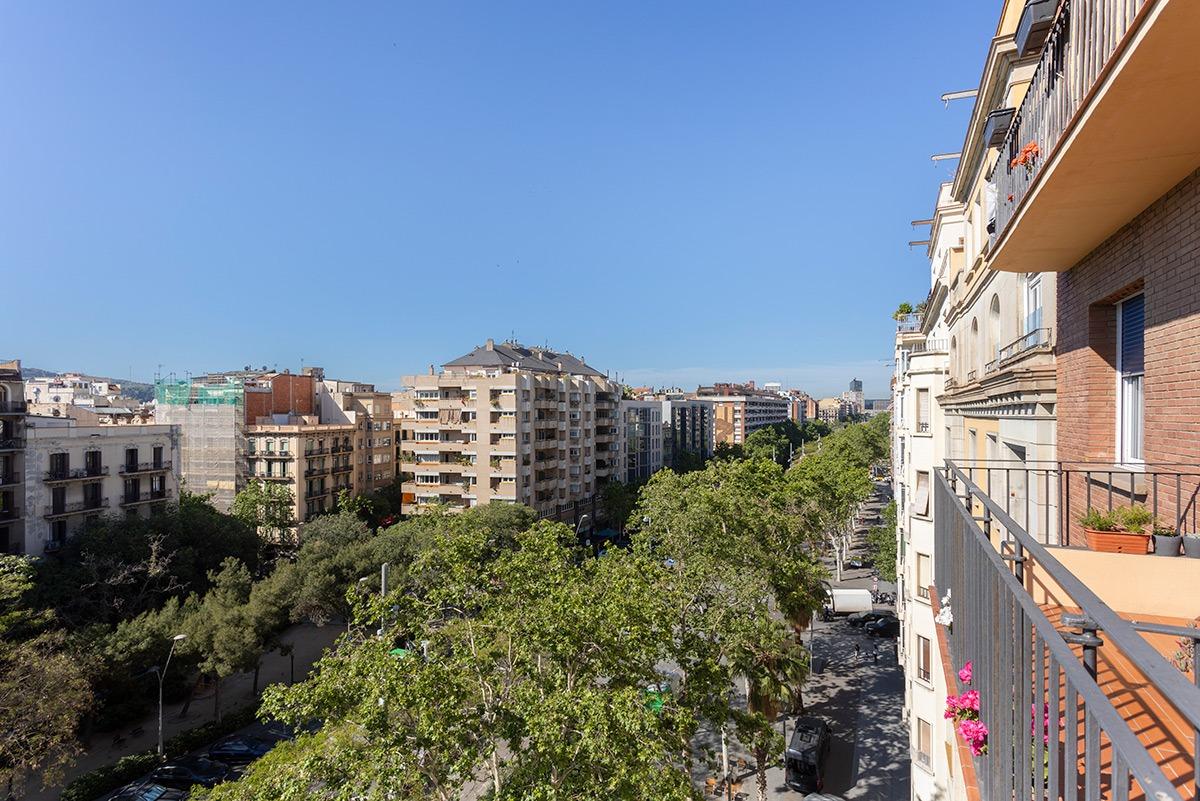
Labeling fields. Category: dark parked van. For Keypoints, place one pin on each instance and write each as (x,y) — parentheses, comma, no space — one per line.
(805,757)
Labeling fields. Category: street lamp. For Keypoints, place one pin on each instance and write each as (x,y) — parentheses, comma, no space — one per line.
(162,675)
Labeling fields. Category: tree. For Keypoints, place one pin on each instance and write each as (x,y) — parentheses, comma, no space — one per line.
(774,666)
(222,634)
(617,499)
(883,545)
(727,451)
(358,505)
(901,310)
(268,507)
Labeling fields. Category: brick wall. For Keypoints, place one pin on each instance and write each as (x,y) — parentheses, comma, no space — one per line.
(1158,252)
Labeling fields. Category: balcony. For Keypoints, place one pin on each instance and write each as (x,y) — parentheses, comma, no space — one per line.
(1112,110)
(75,507)
(316,452)
(134,468)
(342,468)
(316,471)
(909,323)
(150,496)
(76,474)
(10,513)
(12,443)
(10,479)
(13,407)
(1080,700)
(271,454)
(1039,340)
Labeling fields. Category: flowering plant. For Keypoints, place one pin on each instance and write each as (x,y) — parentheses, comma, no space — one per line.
(964,710)
(945,615)
(1045,722)
(1026,157)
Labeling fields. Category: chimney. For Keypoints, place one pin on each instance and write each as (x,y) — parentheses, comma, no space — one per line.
(491,344)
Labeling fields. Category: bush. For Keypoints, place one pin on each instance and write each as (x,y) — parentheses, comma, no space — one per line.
(129,768)
(110,777)
(1098,521)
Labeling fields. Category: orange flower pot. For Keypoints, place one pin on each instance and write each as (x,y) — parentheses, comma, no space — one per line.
(1117,541)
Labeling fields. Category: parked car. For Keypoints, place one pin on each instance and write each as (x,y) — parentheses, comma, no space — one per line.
(859,619)
(182,774)
(884,627)
(804,760)
(859,562)
(148,791)
(239,750)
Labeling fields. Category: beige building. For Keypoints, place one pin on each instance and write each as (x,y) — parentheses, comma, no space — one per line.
(513,424)
(77,473)
(370,412)
(741,409)
(315,461)
(12,458)
(833,410)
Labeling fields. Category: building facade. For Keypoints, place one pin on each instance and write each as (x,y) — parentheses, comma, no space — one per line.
(12,458)
(313,460)
(370,412)
(512,424)
(741,409)
(1071,310)
(78,473)
(641,438)
(687,430)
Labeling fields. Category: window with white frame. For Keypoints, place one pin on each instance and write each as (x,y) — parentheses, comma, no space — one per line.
(924,575)
(1033,302)
(1131,365)
(921,496)
(924,742)
(924,654)
(922,411)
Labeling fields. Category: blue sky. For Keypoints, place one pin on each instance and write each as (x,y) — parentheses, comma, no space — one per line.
(678,191)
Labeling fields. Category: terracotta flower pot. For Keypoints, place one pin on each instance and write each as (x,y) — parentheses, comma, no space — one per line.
(1117,541)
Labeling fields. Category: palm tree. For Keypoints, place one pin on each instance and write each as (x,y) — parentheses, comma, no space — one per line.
(775,666)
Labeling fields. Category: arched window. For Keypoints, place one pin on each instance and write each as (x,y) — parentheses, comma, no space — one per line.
(994,328)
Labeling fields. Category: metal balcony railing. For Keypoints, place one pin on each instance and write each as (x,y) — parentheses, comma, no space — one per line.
(132,498)
(92,504)
(11,477)
(144,467)
(1053,729)
(1081,42)
(1046,497)
(907,323)
(1038,339)
(11,443)
(13,407)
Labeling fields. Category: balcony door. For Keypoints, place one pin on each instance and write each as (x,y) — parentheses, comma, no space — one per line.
(1131,361)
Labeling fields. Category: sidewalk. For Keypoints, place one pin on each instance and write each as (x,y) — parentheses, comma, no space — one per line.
(309,641)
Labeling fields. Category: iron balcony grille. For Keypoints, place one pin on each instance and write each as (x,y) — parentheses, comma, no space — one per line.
(76,473)
(13,407)
(130,468)
(1026,670)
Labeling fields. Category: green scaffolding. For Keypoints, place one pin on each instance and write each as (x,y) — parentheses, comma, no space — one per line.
(185,393)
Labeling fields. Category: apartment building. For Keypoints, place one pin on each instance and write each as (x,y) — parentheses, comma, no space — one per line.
(641,424)
(513,424)
(12,458)
(370,412)
(212,412)
(75,474)
(833,410)
(741,409)
(313,460)
(1079,188)
(687,429)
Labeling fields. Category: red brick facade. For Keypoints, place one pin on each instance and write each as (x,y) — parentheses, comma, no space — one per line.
(290,394)
(1158,253)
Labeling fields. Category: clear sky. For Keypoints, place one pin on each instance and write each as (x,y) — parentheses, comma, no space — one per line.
(680,192)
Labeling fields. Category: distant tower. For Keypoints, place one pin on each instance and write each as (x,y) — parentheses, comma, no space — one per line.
(855,385)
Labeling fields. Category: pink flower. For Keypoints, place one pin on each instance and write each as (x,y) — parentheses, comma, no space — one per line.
(969,700)
(951,707)
(966,674)
(975,733)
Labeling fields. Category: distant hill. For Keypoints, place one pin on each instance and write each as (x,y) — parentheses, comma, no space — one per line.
(138,390)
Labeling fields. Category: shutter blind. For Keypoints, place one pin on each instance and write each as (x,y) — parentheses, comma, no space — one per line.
(1133,335)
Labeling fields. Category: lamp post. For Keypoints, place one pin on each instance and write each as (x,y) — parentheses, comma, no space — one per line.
(162,675)
(579,527)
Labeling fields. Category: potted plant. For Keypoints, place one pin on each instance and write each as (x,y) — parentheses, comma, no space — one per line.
(1135,519)
(1105,533)
(1166,540)
(1191,545)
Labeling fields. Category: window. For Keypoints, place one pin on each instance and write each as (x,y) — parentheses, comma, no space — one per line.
(923,575)
(921,496)
(923,658)
(924,742)
(431,414)
(131,459)
(1131,361)
(428,394)
(1033,303)
(158,456)
(922,411)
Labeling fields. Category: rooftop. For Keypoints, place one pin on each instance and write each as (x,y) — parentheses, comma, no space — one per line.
(514,355)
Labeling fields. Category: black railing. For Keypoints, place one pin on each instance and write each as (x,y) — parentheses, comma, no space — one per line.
(1046,498)
(11,477)
(11,443)
(130,498)
(144,467)
(10,513)
(76,473)
(75,507)
(13,407)
(1052,727)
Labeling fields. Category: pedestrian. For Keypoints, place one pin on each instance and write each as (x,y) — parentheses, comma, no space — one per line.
(857,652)
(875,654)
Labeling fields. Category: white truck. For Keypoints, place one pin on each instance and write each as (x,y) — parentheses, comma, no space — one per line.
(841,602)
